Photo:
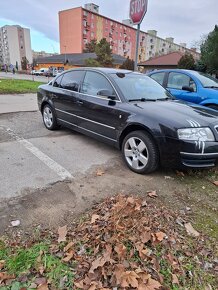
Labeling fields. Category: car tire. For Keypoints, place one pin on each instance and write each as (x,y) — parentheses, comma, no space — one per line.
(214,107)
(49,118)
(140,152)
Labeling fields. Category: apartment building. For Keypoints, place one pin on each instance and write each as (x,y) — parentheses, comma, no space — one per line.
(15,43)
(79,25)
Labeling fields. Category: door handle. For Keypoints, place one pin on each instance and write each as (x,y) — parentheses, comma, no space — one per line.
(79,102)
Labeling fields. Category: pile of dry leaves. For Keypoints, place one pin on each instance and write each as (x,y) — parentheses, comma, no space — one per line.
(127,243)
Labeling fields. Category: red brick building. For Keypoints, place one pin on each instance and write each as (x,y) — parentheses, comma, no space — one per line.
(80,25)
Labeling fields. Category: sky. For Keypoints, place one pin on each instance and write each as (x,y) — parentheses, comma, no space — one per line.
(187,21)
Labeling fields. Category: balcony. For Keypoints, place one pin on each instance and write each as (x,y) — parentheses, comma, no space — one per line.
(87,27)
(84,36)
(110,35)
(126,39)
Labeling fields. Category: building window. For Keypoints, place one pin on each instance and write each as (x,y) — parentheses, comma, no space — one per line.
(151,40)
(121,34)
(162,50)
(92,34)
(92,16)
(21,47)
(92,25)
(152,46)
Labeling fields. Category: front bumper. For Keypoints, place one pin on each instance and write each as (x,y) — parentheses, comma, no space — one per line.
(178,153)
(198,160)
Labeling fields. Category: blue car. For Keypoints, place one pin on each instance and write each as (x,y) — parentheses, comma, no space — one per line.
(189,85)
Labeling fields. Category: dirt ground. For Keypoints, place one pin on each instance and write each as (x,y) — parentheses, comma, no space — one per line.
(192,194)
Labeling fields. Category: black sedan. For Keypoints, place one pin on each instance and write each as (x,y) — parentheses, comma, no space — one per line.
(133,113)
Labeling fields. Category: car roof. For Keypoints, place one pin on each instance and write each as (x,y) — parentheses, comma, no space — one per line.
(172,70)
(103,69)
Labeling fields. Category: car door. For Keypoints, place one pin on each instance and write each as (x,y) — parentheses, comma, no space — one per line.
(176,81)
(65,96)
(98,114)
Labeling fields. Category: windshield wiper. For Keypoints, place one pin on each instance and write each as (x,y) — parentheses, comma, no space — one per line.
(142,100)
(211,87)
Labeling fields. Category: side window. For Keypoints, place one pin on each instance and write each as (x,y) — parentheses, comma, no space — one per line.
(57,82)
(95,82)
(178,80)
(72,80)
(158,77)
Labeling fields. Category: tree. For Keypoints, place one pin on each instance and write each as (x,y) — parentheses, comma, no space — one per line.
(90,47)
(104,53)
(91,62)
(209,52)
(128,64)
(187,62)
(24,63)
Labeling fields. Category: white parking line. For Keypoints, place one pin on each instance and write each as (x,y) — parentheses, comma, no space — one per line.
(53,165)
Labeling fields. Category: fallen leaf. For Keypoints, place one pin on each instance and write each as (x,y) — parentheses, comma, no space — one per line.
(160,236)
(99,172)
(43,287)
(175,279)
(5,276)
(145,237)
(79,284)
(152,193)
(69,246)
(120,250)
(40,281)
(191,231)
(2,264)
(62,232)
(94,218)
(129,278)
(153,284)
(215,183)
(69,256)
(144,203)
(180,173)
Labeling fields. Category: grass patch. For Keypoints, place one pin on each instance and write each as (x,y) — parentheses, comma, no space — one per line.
(11,86)
(26,262)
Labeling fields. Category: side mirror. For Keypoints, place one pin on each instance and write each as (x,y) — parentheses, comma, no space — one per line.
(106,93)
(187,88)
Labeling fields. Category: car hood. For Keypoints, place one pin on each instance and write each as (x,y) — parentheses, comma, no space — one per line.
(180,114)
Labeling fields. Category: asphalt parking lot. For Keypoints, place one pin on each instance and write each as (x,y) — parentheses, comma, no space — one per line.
(33,157)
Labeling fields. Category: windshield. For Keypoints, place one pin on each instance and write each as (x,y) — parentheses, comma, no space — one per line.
(206,80)
(136,86)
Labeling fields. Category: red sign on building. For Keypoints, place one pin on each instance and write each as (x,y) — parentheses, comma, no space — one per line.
(138,8)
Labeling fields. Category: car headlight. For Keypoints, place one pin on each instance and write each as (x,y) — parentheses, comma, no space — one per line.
(196,134)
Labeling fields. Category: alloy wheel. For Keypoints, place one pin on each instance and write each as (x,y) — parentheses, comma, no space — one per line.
(136,153)
(48,117)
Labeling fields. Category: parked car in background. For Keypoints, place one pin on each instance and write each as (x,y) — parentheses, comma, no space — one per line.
(40,72)
(188,85)
(135,114)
